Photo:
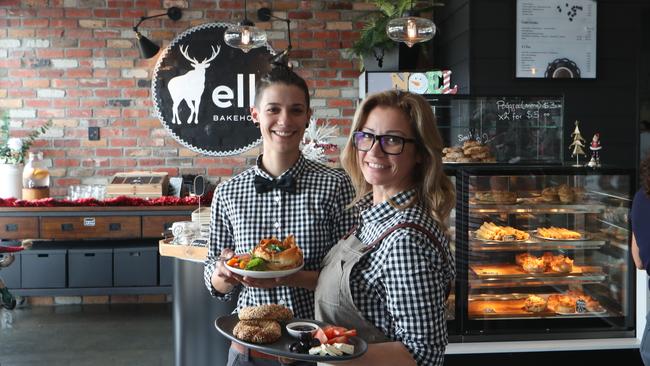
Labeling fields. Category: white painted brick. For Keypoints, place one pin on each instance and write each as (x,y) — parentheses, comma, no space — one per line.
(36,43)
(3,53)
(70,3)
(135,73)
(192,14)
(22,113)
(50,93)
(327,112)
(67,300)
(9,43)
(318,103)
(99,63)
(350,93)
(276,35)
(62,63)
(54,132)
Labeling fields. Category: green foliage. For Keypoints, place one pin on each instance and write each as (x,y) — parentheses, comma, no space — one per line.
(13,150)
(373,38)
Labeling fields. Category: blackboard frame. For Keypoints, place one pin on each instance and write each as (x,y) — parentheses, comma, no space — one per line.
(553,131)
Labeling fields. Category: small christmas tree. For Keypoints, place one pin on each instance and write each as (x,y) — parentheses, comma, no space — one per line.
(577,144)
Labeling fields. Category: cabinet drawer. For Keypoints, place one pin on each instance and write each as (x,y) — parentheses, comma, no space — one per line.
(18,228)
(153,226)
(96,227)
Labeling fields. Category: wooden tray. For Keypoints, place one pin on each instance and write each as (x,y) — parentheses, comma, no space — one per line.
(186,252)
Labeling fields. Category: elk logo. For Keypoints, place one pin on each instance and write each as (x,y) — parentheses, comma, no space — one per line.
(189,86)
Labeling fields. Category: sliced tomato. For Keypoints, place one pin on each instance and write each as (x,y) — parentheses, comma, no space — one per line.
(320,335)
(350,333)
(341,339)
(329,332)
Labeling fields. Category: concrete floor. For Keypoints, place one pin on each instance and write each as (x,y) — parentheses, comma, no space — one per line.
(94,335)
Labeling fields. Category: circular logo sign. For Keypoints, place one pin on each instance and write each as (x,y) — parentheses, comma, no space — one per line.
(202,91)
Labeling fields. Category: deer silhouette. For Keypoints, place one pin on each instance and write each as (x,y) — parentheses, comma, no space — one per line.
(189,86)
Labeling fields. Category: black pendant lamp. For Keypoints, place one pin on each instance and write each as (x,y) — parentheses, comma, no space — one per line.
(148,49)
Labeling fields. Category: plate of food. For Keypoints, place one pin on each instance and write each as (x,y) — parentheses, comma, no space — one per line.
(559,234)
(264,328)
(492,232)
(496,197)
(271,258)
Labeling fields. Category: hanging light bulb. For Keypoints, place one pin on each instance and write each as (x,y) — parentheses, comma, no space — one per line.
(245,35)
(410,30)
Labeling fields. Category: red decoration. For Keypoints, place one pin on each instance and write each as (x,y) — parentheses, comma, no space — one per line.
(117,201)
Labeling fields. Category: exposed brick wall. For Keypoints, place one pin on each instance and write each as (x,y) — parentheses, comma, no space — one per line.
(75,62)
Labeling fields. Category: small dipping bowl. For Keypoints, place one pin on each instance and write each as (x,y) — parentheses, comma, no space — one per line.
(295,329)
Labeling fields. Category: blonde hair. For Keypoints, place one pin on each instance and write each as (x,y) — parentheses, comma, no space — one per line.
(434,189)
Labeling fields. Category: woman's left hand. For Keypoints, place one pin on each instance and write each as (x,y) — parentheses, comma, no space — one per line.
(263,282)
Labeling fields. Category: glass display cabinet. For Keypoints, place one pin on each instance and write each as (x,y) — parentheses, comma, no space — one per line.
(542,252)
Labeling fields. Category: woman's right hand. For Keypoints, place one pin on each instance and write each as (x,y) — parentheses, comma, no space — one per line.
(223,280)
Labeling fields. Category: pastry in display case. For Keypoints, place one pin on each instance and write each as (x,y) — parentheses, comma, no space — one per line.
(547,251)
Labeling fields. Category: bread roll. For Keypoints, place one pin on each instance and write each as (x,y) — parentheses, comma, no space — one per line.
(266,312)
(257,331)
(279,255)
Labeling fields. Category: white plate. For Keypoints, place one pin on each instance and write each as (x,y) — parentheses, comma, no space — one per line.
(265,274)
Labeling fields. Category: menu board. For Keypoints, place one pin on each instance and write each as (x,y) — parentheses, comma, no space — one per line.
(556,39)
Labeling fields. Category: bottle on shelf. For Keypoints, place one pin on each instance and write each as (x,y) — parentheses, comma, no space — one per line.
(36,178)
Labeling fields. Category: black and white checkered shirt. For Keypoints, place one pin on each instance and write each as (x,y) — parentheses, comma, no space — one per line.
(316,215)
(400,285)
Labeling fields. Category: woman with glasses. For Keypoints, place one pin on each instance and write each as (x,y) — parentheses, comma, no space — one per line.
(389,278)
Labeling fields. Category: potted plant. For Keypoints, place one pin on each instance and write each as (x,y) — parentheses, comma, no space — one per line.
(12,157)
(373,48)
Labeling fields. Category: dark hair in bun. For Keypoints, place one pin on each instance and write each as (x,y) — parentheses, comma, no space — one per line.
(281,74)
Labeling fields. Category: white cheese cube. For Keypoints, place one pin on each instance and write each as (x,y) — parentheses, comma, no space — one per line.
(345,348)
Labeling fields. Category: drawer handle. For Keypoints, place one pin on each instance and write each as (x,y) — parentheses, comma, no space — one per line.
(89,254)
(116,226)
(67,227)
(43,255)
(11,227)
(134,254)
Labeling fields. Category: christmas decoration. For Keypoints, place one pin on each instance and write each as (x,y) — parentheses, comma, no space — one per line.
(595,151)
(316,141)
(577,145)
(117,201)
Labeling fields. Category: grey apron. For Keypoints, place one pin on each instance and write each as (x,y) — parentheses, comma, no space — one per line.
(334,303)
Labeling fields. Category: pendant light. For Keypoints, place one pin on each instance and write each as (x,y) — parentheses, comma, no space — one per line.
(245,35)
(410,29)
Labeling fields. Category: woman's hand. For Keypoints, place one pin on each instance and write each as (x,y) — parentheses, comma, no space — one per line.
(301,279)
(223,280)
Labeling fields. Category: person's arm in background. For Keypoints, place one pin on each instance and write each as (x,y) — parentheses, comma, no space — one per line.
(635,254)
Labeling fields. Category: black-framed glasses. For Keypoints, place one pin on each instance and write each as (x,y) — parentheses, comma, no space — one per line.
(389,144)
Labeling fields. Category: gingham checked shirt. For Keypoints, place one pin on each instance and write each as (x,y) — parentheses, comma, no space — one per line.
(316,215)
(400,285)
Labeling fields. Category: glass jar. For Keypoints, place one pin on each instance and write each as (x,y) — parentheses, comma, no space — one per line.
(36,174)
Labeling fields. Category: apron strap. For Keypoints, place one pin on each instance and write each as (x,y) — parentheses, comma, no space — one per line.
(424,231)
(352,230)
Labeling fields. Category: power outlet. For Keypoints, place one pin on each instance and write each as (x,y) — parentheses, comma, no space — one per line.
(93,133)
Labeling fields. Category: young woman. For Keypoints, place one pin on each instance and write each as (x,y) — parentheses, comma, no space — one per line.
(641,242)
(311,205)
(390,278)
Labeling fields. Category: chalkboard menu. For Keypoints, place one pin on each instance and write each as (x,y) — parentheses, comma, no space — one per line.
(518,129)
